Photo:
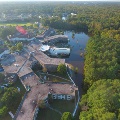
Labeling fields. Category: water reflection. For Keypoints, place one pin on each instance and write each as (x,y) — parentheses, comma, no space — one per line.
(78,44)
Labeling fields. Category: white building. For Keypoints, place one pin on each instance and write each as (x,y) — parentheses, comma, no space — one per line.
(59,51)
(44,48)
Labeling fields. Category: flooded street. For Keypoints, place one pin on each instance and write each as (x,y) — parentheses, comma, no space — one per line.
(78,43)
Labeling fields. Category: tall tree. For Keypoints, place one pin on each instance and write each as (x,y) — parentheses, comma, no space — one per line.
(11,98)
(101,101)
(66,116)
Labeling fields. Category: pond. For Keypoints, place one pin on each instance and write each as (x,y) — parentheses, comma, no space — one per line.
(78,42)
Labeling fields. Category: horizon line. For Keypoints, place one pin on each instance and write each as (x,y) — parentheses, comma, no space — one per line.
(60,1)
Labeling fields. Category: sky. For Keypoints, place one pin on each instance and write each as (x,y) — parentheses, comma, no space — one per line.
(60,0)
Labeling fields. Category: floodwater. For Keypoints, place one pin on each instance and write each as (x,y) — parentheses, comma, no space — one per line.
(78,43)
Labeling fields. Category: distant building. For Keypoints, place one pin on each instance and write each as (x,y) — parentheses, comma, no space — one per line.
(21,37)
(59,51)
(50,64)
(45,34)
(4,53)
(73,14)
(56,39)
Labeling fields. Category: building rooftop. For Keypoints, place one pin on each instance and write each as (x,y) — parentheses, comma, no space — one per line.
(20,35)
(43,58)
(55,37)
(40,92)
(25,69)
(14,62)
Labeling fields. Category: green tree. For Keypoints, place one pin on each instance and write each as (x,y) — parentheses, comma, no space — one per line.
(76,70)
(13,48)
(19,46)
(66,116)
(7,31)
(61,69)
(101,101)
(109,116)
(41,104)
(3,111)
(11,98)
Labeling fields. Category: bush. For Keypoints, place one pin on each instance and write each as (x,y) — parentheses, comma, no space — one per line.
(66,116)
(41,104)
(61,69)
(44,69)
(76,70)
(3,111)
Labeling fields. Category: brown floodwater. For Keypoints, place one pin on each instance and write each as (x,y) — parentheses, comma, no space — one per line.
(78,43)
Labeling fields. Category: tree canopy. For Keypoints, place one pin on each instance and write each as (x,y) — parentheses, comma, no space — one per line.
(102,101)
(11,98)
(66,116)
(19,46)
(61,69)
(101,59)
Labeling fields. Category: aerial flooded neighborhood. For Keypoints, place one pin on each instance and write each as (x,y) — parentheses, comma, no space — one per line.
(59,61)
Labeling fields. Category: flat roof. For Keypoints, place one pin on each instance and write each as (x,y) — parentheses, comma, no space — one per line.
(44,48)
(25,69)
(20,35)
(13,62)
(43,58)
(55,37)
(40,92)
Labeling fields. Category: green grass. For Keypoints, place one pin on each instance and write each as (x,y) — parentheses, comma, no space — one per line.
(61,105)
(48,114)
(56,79)
(19,84)
(7,117)
(60,75)
(53,78)
(14,24)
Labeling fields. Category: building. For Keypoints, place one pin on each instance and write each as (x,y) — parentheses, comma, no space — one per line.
(56,39)
(39,92)
(45,34)
(50,64)
(19,64)
(59,51)
(4,53)
(21,38)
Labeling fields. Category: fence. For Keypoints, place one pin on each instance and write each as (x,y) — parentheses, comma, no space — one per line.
(76,107)
(35,113)
(68,70)
(20,106)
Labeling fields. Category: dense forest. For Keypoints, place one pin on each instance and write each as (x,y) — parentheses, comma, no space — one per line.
(102,101)
(101,21)
(102,59)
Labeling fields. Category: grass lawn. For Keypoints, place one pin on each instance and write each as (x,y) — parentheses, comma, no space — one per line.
(14,24)
(60,105)
(57,74)
(19,84)
(48,114)
(63,105)
(2,78)
(52,78)
(7,117)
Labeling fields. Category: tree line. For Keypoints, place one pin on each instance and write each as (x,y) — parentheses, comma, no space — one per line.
(102,68)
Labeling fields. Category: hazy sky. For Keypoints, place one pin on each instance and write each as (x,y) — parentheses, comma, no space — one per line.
(60,0)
